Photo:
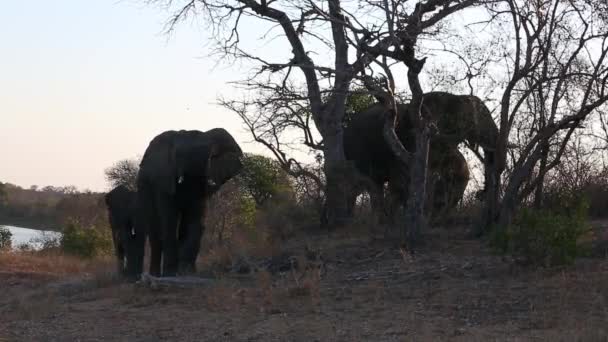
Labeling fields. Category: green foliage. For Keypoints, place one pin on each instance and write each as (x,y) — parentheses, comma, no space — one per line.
(46,240)
(247,211)
(262,178)
(356,102)
(85,242)
(5,238)
(546,237)
(25,247)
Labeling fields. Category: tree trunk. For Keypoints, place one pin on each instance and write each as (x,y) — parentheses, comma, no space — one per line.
(511,198)
(540,188)
(415,216)
(335,212)
(490,209)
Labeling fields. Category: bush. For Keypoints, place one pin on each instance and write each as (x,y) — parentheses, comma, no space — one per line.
(5,238)
(46,241)
(262,178)
(85,242)
(546,237)
(25,247)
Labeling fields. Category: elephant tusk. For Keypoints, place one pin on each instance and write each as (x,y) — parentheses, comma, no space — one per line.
(210,182)
(180,180)
(132,231)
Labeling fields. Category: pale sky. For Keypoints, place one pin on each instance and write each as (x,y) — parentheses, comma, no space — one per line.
(86,83)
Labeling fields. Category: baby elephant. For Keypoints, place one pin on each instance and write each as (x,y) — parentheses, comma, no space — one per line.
(121,213)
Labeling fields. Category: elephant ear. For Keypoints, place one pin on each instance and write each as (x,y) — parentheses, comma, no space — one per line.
(160,167)
(214,161)
(224,157)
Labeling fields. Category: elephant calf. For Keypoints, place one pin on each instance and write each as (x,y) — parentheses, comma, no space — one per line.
(448,185)
(448,177)
(120,202)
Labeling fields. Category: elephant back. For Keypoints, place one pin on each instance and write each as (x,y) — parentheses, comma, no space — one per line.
(364,142)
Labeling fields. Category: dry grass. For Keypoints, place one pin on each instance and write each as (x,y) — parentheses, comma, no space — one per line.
(50,263)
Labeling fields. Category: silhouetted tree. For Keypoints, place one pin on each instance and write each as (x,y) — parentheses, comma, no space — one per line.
(123,172)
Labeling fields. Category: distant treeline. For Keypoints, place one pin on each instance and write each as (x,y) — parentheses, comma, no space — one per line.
(49,207)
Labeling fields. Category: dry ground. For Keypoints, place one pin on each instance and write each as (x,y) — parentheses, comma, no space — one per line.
(454,289)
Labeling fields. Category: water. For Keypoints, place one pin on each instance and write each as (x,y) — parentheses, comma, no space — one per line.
(32,237)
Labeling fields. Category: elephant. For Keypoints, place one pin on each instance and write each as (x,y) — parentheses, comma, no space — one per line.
(448,186)
(448,177)
(178,173)
(120,203)
(459,118)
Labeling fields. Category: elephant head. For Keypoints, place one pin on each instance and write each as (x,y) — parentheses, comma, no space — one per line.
(459,118)
(226,161)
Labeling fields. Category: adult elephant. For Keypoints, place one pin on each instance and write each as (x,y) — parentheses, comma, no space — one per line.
(120,203)
(177,174)
(459,118)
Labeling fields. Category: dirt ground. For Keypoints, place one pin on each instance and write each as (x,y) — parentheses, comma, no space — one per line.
(454,289)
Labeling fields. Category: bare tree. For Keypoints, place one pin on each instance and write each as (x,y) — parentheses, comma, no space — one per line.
(402,28)
(555,61)
(123,172)
(299,22)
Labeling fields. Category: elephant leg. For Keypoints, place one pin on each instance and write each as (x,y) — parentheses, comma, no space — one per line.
(131,247)
(393,201)
(155,253)
(376,198)
(120,259)
(450,199)
(144,225)
(167,221)
(350,204)
(119,251)
(377,201)
(190,233)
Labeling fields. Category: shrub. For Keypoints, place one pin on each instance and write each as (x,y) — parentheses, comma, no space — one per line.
(25,247)
(229,210)
(85,242)
(123,172)
(5,238)
(46,241)
(284,218)
(262,178)
(546,237)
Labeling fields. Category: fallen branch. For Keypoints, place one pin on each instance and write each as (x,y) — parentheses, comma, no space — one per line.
(182,281)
